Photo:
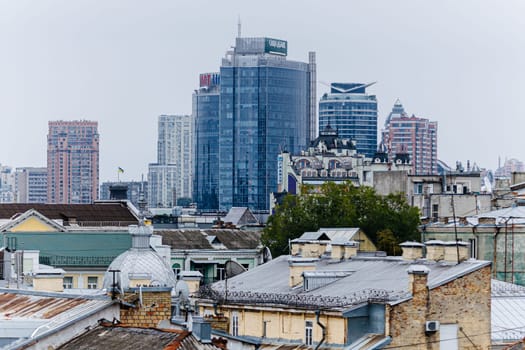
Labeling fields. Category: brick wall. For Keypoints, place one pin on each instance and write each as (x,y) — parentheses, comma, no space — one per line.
(464,301)
(156,306)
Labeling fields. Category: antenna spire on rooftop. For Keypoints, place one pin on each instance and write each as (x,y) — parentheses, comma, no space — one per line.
(239,27)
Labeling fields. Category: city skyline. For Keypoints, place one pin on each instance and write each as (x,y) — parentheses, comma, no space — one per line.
(455,63)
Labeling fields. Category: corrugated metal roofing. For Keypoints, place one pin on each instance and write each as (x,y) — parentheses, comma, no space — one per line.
(387,274)
(131,338)
(507,311)
(240,216)
(22,312)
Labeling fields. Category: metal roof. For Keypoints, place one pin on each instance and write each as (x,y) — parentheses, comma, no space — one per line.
(198,239)
(116,213)
(386,277)
(136,263)
(130,338)
(28,313)
(507,215)
(507,311)
(240,216)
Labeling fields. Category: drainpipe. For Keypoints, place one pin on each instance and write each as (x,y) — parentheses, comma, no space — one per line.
(495,256)
(323,327)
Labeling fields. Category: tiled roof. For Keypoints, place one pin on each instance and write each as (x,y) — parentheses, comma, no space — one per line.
(197,239)
(117,213)
(131,338)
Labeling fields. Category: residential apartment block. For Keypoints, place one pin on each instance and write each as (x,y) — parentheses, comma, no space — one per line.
(171,177)
(72,162)
(414,135)
(31,185)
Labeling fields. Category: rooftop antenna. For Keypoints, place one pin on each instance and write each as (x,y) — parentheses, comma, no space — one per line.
(239,26)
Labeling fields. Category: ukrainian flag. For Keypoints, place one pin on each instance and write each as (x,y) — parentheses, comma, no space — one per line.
(120,170)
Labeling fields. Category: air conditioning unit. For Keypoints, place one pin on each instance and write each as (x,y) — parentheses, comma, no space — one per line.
(431,326)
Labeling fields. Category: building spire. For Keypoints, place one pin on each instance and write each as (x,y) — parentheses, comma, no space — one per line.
(239,26)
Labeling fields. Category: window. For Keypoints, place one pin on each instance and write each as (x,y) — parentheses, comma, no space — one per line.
(308,332)
(235,324)
(176,269)
(92,282)
(68,282)
(473,248)
(435,212)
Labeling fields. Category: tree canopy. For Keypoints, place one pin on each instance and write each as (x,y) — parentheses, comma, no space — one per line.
(386,220)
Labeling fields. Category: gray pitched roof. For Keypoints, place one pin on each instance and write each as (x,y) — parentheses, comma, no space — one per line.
(386,277)
(124,338)
(507,311)
(198,239)
(240,216)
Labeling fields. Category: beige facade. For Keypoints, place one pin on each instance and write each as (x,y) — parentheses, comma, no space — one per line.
(450,304)
(347,299)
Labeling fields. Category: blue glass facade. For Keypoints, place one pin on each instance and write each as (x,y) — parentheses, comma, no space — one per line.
(264,109)
(353,113)
(206,147)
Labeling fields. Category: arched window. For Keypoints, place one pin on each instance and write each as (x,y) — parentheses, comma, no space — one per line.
(176,269)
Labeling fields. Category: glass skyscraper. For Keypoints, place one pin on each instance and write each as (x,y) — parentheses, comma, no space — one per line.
(264,109)
(350,110)
(206,147)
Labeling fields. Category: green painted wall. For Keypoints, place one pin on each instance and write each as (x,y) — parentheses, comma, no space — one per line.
(71,249)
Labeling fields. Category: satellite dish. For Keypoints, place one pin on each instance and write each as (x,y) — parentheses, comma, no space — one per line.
(233,268)
(267,255)
(181,290)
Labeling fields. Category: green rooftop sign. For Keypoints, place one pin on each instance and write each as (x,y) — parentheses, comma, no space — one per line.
(275,46)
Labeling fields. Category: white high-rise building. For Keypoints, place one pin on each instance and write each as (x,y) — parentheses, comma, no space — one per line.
(31,185)
(171,177)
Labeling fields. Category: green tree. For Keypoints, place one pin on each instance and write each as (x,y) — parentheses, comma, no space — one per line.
(341,205)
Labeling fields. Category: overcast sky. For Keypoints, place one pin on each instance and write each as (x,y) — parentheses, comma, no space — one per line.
(123,63)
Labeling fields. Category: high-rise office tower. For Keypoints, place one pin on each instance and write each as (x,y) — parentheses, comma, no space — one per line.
(416,136)
(171,177)
(264,109)
(206,142)
(350,110)
(72,162)
(31,185)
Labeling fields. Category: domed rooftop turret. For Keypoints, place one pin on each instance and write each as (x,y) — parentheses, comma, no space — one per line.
(140,265)
(329,138)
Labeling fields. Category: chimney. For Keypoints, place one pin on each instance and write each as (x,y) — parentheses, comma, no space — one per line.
(312,249)
(412,250)
(435,250)
(453,249)
(351,248)
(297,247)
(297,267)
(487,221)
(201,329)
(417,283)
(192,279)
(49,280)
